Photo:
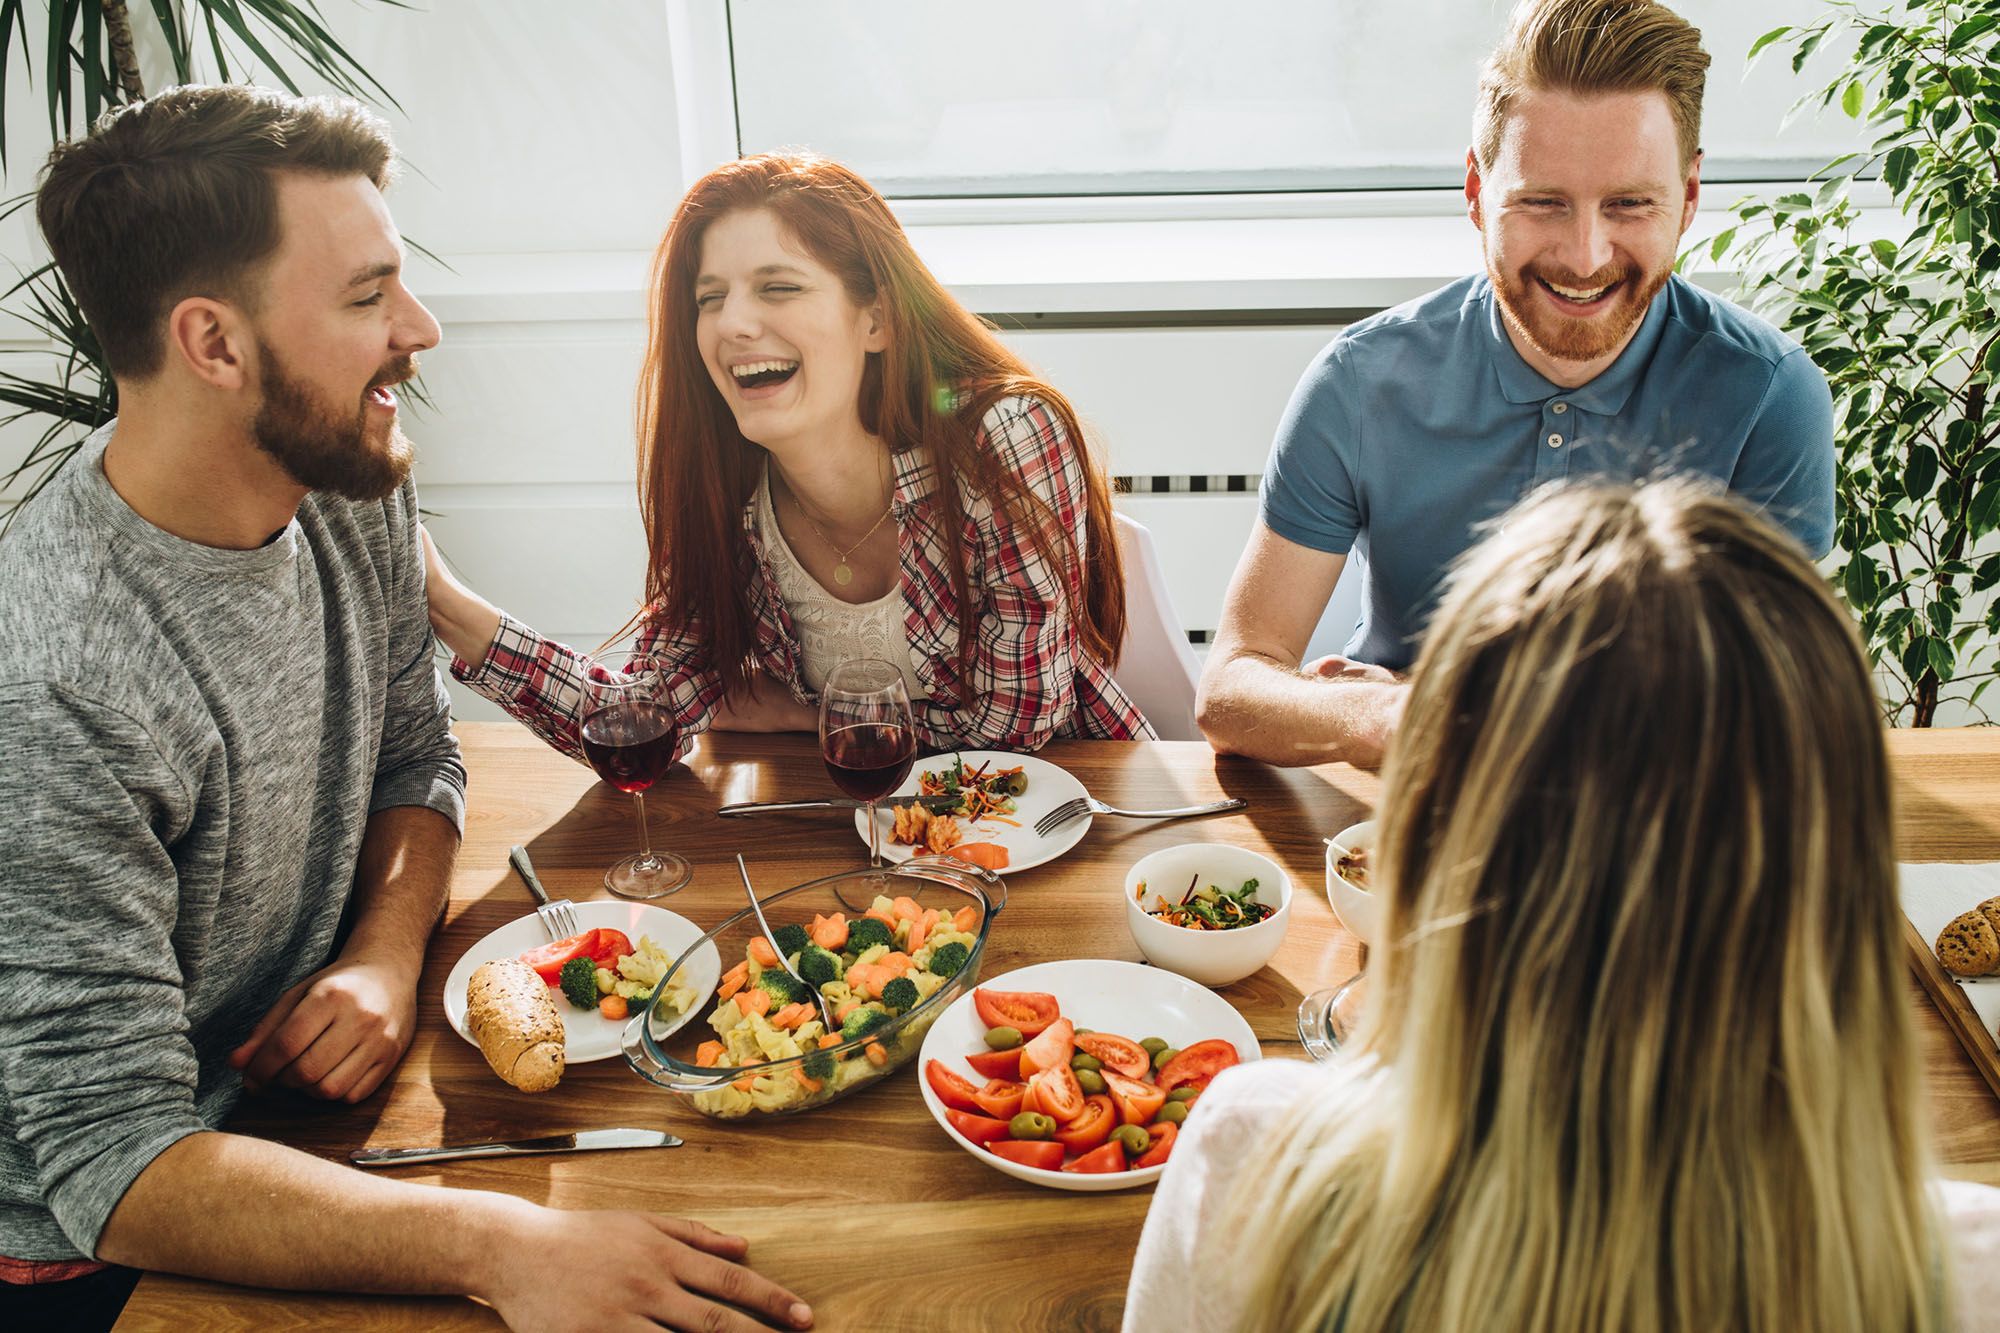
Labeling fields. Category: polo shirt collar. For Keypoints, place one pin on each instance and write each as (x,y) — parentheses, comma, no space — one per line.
(1603,396)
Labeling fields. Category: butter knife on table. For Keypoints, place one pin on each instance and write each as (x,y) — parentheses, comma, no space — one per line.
(586,1140)
(838,803)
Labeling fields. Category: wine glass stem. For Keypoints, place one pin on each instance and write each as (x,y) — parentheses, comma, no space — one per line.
(874,840)
(645,837)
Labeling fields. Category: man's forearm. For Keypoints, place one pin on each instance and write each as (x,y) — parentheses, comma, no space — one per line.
(1254,707)
(242,1210)
(401,881)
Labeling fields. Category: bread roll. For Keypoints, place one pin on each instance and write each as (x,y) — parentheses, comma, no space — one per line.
(1969,946)
(513,1017)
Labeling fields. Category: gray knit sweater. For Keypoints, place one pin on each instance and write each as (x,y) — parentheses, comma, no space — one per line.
(191,743)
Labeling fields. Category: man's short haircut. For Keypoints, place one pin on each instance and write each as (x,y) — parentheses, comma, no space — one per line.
(1593,46)
(176,196)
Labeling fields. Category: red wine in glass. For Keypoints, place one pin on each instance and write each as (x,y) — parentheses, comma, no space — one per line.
(868,760)
(631,745)
(628,735)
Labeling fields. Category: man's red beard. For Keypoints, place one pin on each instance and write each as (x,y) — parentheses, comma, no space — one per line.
(324,449)
(1533,315)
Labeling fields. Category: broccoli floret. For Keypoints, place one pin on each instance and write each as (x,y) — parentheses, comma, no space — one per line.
(579,982)
(864,933)
(947,959)
(862,1022)
(782,986)
(791,938)
(818,966)
(900,994)
(818,1065)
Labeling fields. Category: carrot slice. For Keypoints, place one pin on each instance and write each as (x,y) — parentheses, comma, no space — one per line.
(906,909)
(830,932)
(843,1009)
(743,1084)
(899,963)
(762,953)
(827,1039)
(920,929)
(965,919)
(754,1001)
(807,1081)
(989,854)
(877,1053)
(710,1053)
(732,981)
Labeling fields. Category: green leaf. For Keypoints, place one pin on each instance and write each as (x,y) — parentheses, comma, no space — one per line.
(1987,575)
(1764,41)
(1720,244)
(1964,34)
(1940,655)
(1885,250)
(1992,362)
(1921,472)
(1850,101)
(1985,513)
(1896,167)
(1858,581)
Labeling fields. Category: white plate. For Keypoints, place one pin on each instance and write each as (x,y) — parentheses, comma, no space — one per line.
(1125,998)
(586,1036)
(1048,787)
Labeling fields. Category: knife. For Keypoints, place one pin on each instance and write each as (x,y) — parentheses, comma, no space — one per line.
(586,1140)
(933,803)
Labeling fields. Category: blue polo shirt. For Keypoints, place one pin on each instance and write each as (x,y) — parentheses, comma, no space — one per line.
(1416,426)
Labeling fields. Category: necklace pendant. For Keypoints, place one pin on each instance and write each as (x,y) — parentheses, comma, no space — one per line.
(842,574)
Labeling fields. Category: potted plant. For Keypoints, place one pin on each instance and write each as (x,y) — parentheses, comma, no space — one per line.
(1905,328)
(96,67)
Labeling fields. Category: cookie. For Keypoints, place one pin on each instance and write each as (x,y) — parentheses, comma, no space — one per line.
(1991,909)
(1969,946)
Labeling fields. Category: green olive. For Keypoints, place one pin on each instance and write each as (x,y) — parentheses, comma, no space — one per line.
(1031,1125)
(1154,1045)
(1090,1081)
(1173,1112)
(1183,1093)
(1015,784)
(1164,1054)
(1083,1060)
(1003,1039)
(1133,1138)
(1082,1032)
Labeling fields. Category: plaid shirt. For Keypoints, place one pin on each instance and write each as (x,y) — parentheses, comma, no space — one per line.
(1029,680)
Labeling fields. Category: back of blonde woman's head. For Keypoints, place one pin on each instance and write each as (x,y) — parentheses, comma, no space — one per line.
(1639,1055)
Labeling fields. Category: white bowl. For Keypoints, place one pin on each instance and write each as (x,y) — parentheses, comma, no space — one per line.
(1358,909)
(1211,957)
(1125,998)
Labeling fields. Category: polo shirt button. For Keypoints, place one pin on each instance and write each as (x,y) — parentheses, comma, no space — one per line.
(1555,441)
(1560,408)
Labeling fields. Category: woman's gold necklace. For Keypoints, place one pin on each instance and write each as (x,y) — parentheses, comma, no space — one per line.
(843,573)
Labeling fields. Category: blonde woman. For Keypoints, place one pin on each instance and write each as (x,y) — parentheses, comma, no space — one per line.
(1639,1054)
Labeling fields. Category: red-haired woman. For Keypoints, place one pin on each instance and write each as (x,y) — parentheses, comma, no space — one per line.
(838,460)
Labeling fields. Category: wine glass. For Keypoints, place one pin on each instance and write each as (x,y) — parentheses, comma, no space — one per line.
(867,736)
(1329,1019)
(629,734)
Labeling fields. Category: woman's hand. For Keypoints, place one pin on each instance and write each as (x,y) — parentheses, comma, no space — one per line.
(763,705)
(464,620)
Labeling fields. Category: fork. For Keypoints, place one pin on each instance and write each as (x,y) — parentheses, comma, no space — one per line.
(558,917)
(825,1010)
(1076,808)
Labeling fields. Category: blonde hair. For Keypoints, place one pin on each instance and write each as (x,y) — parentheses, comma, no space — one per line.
(1639,1055)
(1593,46)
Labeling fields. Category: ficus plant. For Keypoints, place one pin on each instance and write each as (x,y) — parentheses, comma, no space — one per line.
(1904,326)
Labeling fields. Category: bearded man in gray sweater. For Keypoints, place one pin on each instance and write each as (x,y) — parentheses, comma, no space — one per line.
(231,796)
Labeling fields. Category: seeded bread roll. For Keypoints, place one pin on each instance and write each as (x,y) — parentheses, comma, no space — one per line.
(1990,909)
(513,1018)
(1969,946)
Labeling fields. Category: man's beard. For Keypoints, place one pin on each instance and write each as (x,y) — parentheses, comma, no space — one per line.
(1575,338)
(323,450)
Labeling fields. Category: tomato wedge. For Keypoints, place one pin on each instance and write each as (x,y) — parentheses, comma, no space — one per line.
(1058,1093)
(1027,1012)
(952,1089)
(548,960)
(1091,1127)
(997,1064)
(1123,1054)
(1163,1134)
(1000,1098)
(1099,1161)
(1137,1102)
(980,1129)
(1198,1064)
(1044,1153)
(607,946)
(1055,1046)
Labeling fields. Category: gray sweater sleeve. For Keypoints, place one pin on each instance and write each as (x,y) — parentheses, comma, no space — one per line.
(89,896)
(419,762)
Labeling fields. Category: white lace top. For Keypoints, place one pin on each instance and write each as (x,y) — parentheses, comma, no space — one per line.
(829,630)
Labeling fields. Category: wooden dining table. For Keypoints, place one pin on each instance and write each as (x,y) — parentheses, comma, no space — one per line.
(864,1206)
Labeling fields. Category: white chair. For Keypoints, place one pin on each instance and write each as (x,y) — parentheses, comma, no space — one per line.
(1156,667)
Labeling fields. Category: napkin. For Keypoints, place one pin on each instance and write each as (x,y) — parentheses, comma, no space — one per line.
(1934,893)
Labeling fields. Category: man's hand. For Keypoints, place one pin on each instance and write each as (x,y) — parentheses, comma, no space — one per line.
(1335,667)
(601,1271)
(337,1034)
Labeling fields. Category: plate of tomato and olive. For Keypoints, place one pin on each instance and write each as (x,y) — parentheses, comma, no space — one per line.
(1078,1075)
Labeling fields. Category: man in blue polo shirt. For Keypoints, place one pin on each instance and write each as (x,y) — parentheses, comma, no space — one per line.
(1576,355)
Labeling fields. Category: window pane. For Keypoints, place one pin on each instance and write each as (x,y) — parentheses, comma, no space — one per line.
(1169,96)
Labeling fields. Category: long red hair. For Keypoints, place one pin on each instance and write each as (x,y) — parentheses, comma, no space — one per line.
(941,371)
